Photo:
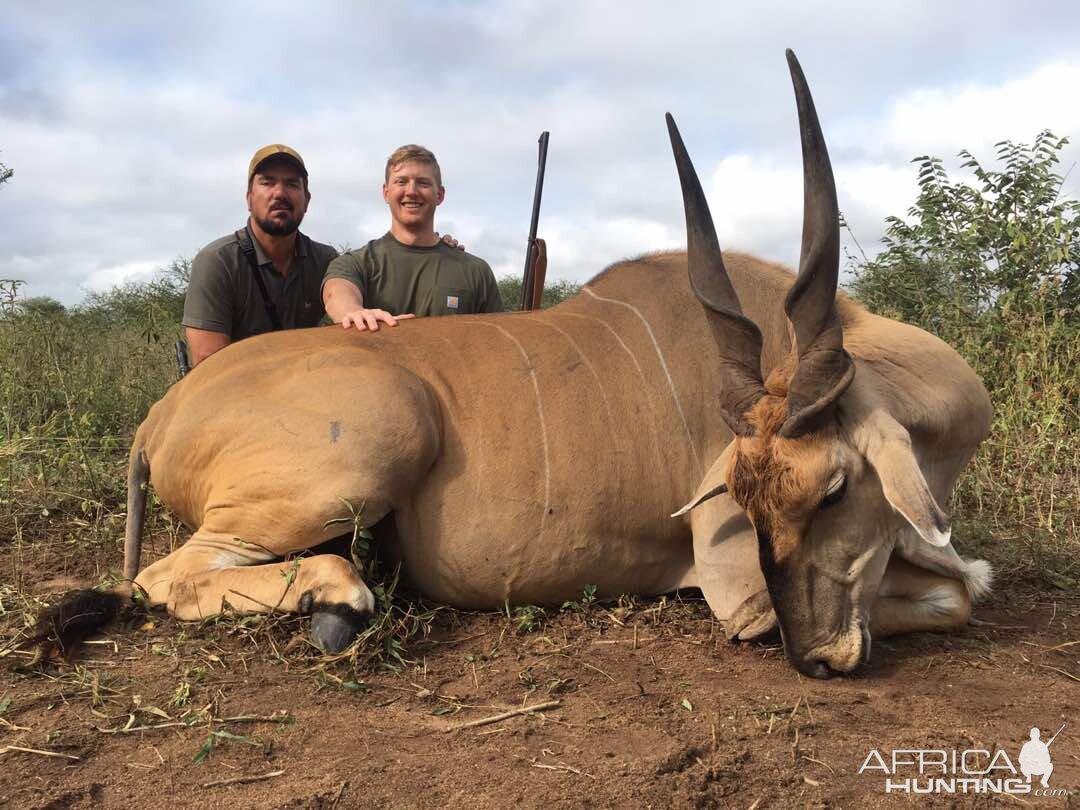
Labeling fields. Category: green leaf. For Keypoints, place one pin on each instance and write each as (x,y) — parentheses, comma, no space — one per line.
(205,749)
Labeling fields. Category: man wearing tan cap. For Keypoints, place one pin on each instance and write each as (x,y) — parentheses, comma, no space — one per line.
(265,276)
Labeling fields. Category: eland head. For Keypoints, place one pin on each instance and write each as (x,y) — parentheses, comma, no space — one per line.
(818,464)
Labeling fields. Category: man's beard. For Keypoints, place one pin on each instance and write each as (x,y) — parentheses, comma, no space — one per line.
(279,227)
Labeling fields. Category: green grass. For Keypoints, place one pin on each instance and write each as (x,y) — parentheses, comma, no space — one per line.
(73,388)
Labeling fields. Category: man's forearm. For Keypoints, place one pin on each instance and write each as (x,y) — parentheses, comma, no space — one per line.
(341,297)
(203,343)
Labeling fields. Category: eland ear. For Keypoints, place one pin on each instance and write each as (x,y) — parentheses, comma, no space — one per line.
(887,446)
(714,483)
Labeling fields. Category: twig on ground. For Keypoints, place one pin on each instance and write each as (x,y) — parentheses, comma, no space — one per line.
(1060,646)
(243,780)
(819,762)
(133,729)
(1016,799)
(1061,671)
(277,717)
(597,669)
(559,767)
(337,797)
(54,754)
(496,718)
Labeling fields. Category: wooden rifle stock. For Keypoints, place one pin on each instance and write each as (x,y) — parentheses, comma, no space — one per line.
(539,274)
(529,299)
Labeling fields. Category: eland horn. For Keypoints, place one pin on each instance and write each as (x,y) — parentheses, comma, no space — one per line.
(824,369)
(737,337)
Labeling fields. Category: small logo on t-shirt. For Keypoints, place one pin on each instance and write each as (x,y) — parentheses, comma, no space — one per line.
(451,302)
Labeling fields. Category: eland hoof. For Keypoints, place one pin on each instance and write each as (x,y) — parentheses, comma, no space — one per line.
(333,627)
(753,619)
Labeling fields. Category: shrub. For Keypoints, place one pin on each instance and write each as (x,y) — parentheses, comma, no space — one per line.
(990,266)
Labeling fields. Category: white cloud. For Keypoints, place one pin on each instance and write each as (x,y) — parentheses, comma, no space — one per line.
(975,115)
(108,277)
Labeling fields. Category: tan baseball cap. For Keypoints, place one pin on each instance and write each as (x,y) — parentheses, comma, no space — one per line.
(276,150)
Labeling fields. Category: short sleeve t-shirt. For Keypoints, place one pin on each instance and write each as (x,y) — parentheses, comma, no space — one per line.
(402,279)
(223,295)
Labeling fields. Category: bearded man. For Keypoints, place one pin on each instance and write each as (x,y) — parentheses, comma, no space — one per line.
(265,276)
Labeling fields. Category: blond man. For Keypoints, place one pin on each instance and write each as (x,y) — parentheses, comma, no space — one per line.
(409,272)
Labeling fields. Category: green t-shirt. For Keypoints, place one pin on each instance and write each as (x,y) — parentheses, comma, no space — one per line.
(223,296)
(402,279)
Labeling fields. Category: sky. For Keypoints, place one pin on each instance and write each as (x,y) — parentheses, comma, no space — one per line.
(130,125)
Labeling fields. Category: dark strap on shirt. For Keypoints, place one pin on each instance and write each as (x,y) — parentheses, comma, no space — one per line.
(248,247)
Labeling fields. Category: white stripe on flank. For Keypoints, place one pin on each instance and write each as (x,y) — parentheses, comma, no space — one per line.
(584,359)
(663,365)
(614,334)
(543,424)
(629,352)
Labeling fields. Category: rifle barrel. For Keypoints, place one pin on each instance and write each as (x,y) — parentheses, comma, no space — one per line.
(530,247)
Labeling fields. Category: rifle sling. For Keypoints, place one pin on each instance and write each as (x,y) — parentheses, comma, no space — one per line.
(248,247)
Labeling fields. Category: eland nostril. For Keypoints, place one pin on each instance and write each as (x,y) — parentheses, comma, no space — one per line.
(815,668)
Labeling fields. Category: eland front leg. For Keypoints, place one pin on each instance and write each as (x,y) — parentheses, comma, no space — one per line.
(211,573)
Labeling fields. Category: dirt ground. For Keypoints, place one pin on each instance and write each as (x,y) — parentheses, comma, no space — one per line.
(648,707)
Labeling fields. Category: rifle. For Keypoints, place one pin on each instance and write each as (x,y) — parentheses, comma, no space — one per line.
(182,358)
(539,273)
(529,298)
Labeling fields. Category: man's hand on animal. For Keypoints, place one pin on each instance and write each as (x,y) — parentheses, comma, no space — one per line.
(345,305)
(369,319)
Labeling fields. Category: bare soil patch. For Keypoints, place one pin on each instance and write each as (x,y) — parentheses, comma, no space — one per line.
(655,709)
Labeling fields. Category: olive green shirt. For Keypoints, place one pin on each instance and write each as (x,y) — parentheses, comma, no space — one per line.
(403,279)
(223,295)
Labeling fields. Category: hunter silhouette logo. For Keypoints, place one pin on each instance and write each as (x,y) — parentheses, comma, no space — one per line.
(972,770)
(1035,757)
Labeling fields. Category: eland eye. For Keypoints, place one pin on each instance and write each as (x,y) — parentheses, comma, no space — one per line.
(835,494)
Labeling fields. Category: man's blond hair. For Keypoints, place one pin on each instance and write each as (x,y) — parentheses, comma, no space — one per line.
(411,151)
